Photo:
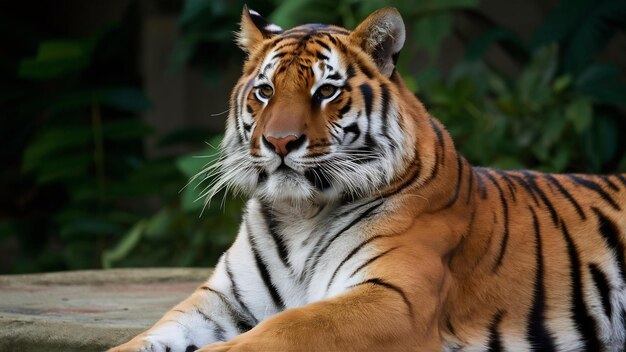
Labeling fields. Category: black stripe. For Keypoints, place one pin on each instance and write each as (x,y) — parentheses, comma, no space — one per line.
(220,333)
(603,287)
(238,318)
(353,128)
(350,255)
(235,291)
(366,71)
(371,260)
(495,340)
(278,56)
(509,184)
(332,39)
(531,178)
(584,322)
(335,76)
(366,91)
(346,108)
(272,228)
(611,235)
(319,251)
(480,182)
(449,325)
(237,122)
(318,178)
(538,335)
(565,193)
(505,232)
(596,188)
(457,188)
(191,348)
(483,253)
(265,275)
(440,139)
(382,283)
(522,182)
(622,179)
(608,182)
(322,57)
(417,164)
(384,97)
(350,71)
(470,185)
(322,44)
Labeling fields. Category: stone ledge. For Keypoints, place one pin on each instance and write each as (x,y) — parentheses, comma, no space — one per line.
(87,310)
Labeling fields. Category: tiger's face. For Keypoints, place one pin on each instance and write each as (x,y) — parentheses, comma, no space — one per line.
(315,115)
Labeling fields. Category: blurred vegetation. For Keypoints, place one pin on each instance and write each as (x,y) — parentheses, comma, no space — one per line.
(78,190)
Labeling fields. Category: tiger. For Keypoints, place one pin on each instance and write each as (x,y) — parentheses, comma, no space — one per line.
(366,230)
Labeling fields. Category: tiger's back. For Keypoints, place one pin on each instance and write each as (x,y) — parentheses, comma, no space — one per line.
(542,264)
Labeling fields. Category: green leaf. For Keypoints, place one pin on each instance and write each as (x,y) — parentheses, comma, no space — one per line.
(56,58)
(124,246)
(159,223)
(593,32)
(187,135)
(560,22)
(600,142)
(131,128)
(430,31)
(601,83)
(561,83)
(583,27)
(296,12)
(193,163)
(507,39)
(126,99)
(89,227)
(534,83)
(580,113)
(63,168)
(51,141)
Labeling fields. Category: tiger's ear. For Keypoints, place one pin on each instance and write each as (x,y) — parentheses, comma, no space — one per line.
(381,35)
(254,29)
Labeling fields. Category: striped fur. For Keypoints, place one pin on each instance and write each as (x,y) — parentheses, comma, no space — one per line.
(367,231)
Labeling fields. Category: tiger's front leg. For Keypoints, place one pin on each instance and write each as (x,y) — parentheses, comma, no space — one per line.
(396,313)
(208,315)
(214,312)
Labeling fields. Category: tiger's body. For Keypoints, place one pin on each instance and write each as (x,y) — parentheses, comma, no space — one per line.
(367,231)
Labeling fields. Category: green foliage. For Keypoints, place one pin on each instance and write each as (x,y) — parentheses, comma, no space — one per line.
(560,113)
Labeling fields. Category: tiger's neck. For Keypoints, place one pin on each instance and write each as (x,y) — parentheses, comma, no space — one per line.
(439,182)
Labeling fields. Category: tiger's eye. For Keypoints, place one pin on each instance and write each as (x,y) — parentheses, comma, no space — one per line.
(266,91)
(326,91)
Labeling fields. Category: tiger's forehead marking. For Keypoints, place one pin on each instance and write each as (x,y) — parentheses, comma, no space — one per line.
(312,50)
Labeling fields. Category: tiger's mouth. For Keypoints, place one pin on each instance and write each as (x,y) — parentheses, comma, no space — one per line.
(314,175)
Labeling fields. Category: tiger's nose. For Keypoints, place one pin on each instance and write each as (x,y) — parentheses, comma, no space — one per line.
(283,145)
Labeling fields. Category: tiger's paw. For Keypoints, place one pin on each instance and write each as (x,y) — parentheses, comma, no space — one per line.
(147,346)
(156,343)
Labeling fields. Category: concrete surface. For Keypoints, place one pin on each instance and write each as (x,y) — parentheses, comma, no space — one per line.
(87,310)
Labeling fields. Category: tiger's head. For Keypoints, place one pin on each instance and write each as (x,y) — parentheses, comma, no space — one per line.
(317,113)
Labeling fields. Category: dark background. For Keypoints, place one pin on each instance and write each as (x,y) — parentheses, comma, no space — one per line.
(107,108)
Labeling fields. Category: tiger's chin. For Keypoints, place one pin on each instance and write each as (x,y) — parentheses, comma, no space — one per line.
(294,188)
